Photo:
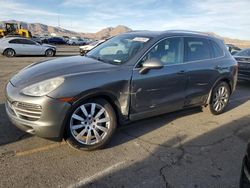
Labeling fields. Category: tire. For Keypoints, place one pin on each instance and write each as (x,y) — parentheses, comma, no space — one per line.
(90,125)
(49,53)
(219,98)
(244,182)
(9,52)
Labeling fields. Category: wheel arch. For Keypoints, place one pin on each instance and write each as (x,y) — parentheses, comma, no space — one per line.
(50,49)
(224,79)
(8,49)
(111,99)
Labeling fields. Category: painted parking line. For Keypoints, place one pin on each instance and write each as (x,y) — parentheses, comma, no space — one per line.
(40,149)
(98,175)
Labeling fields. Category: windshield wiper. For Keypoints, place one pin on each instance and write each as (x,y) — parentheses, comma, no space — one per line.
(102,60)
(96,58)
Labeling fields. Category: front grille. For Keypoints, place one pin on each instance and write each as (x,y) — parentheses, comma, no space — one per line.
(26,111)
(10,109)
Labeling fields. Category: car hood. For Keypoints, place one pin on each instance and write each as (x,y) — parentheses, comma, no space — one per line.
(58,67)
(86,47)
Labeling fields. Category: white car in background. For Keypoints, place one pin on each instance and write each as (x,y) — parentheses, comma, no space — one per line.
(86,48)
(13,46)
(76,41)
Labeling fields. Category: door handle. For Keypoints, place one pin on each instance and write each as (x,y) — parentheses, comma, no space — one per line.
(181,72)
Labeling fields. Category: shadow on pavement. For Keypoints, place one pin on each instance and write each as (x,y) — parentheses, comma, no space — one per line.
(9,133)
(141,127)
(212,159)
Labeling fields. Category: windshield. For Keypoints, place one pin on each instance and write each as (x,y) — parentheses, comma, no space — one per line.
(118,50)
(245,52)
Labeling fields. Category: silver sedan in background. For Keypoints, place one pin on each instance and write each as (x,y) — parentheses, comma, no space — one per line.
(13,46)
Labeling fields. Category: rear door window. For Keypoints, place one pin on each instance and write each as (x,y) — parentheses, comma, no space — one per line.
(196,49)
(15,41)
(29,42)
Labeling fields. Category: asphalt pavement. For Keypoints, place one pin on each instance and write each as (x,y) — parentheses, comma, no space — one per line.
(185,149)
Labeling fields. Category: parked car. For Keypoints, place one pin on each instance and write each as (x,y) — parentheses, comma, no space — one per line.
(76,41)
(232,48)
(129,77)
(66,38)
(245,170)
(86,48)
(37,39)
(243,58)
(13,46)
(55,40)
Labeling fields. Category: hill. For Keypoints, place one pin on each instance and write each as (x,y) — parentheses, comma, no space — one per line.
(41,29)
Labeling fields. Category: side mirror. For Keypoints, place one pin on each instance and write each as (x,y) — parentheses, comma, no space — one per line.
(150,64)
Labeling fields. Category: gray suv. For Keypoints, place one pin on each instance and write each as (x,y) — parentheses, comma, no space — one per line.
(129,77)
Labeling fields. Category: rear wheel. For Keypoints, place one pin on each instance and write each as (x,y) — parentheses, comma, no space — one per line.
(91,125)
(9,53)
(219,99)
(49,53)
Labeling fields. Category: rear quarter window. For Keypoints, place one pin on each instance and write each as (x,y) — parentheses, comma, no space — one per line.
(217,50)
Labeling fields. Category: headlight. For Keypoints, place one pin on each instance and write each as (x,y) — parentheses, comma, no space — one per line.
(43,88)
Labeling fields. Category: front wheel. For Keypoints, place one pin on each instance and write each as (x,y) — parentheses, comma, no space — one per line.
(91,125)
(219,98)
(49,53)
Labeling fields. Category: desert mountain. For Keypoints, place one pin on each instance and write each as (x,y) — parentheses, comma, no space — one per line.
(107,32)
(41,29)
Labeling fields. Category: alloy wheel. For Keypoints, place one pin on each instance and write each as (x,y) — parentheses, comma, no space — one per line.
(89,123)
(9,53)
(220,98)
(49,53)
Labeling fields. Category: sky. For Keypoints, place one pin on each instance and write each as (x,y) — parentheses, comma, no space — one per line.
(229,18)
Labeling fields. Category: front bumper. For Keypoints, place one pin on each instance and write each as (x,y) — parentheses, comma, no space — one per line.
(1,51)
(42,116)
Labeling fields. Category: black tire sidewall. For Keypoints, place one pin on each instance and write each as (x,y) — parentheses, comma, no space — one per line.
(244,182)
(113,124)
(48,55)
(6,52)
(211,108)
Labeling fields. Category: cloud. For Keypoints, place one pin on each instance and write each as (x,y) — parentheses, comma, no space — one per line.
(11,7)
(225,17)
